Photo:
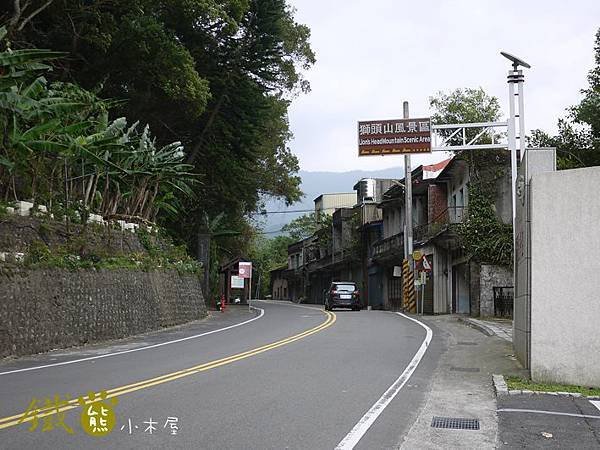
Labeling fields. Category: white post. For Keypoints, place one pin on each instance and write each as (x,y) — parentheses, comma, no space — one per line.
(250,291)
(512,144)
(521,117)
(515,76)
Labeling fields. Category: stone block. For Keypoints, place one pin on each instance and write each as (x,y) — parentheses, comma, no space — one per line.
(95,218)
(23,208)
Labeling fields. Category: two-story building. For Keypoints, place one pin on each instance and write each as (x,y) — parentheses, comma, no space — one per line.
(456,283)
(344,251)
(388,252)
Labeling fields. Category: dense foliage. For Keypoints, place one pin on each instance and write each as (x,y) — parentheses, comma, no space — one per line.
(266,255)
(215,75)
(464,106)
(578,138)
(483,235)
(59,149)
(307,225)
(160,254)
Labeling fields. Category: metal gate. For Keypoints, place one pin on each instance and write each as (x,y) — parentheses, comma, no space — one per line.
(503,301)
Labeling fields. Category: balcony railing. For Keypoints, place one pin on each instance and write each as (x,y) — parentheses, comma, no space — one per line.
(451,215)
(391,245)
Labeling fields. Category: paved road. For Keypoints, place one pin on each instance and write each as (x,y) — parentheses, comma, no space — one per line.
(294,377)
(548,422)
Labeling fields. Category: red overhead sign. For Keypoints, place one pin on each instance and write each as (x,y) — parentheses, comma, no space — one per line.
(394,137)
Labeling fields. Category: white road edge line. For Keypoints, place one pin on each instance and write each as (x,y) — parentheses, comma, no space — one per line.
(373,413)
(64,363)
(551,413)
(596,403)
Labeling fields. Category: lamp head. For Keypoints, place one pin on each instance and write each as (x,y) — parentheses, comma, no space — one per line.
(515,60)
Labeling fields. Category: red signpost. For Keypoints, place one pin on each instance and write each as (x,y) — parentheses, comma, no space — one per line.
(394,137)
(245,271)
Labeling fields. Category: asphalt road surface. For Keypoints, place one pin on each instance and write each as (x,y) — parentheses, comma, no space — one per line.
(282,376)
(548,422)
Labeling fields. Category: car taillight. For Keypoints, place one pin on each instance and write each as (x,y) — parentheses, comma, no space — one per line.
(357,293)
(333,291)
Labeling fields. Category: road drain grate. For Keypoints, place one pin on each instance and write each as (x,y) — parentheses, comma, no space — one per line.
(466,343)
(465,369)
(455,423)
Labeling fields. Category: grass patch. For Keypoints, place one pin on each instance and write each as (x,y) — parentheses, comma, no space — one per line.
(73,256)
(525,384)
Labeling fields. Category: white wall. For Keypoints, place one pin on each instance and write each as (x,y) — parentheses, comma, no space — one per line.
(393,222)
(565,274)
(328,203)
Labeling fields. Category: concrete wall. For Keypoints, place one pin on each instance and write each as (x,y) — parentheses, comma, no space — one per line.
(41,310)
(280,289)
(327,203)
(534,161)
(565,268)
(393,221)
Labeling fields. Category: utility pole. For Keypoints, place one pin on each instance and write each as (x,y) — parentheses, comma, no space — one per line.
(408,224)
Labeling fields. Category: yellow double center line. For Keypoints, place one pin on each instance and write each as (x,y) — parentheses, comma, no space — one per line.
(11,421)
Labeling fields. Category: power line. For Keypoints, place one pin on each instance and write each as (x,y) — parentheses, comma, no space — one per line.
(271,232)
(264,213)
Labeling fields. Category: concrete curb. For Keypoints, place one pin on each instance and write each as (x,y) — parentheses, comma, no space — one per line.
(500,385)
(501,388)
(481,327)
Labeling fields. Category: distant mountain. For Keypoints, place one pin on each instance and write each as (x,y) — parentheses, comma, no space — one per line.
(315,184)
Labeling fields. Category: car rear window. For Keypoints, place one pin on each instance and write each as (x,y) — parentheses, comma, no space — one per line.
(345,287)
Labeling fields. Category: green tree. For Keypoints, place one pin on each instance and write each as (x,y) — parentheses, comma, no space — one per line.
(58,147)
(307,225)
(217,75)
(578,138)
(483,235)
(464,106)
(269,254)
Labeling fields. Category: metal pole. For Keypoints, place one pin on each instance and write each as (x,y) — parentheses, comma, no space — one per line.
(512,144)
(332,246)
(258,286)
(250,291)
(521,116)
(408,201)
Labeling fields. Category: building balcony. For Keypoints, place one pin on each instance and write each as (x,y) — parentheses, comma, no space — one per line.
(451,215)
(389,247)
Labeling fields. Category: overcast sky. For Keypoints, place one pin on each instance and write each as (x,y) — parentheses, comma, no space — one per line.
(372,55)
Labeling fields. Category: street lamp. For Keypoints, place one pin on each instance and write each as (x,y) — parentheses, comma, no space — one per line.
(515,76)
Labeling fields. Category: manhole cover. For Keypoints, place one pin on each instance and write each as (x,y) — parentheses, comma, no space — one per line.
(465,369)
(466,343)
(455,423)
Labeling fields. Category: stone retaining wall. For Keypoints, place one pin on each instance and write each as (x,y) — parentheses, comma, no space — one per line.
(492,276)
(41,310)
